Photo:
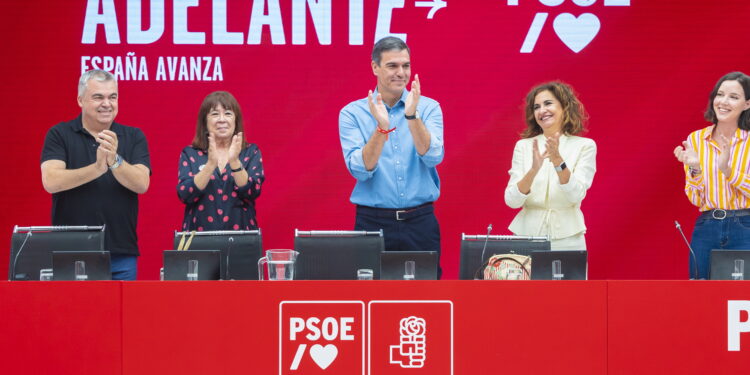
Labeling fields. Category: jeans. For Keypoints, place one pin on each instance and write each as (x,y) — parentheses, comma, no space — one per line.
(731,233)
(124,267)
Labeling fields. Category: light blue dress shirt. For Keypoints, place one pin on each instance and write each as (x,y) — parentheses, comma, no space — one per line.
(402,178)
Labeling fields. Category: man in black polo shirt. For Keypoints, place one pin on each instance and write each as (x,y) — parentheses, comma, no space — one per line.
(95,168)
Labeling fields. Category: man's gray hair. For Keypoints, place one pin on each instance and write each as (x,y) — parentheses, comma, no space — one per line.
(97,74)
(389,43)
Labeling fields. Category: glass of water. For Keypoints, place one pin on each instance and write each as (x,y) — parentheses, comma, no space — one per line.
(80,271)
(192,272)
(739,270)
(45,274)
(410,268)
(364,274)
(557,270)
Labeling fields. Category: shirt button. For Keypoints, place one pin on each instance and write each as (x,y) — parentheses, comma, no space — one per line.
(398,162)
(402,194)
(400,178)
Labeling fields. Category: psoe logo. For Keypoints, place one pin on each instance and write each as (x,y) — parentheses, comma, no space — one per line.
(735,324)
(321,337)
(576,32)
(411,337)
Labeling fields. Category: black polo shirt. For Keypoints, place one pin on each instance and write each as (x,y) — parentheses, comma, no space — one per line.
(103,200)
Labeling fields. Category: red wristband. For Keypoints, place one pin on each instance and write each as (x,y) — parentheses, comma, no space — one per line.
(381,131)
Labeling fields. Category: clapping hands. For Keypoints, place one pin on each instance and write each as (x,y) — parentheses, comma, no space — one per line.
(412,99)
(551,152)
(687,155)
(538,157)
(378,110)
(725,147)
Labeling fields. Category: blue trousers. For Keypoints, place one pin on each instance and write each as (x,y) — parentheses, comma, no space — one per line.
(414,229)
(731,233)
(124,267)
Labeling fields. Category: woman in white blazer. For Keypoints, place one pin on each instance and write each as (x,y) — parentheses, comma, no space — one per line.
(552,168)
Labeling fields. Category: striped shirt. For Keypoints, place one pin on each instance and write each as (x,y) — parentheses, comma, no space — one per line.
(712,189)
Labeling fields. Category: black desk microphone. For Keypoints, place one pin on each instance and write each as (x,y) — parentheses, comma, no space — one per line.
(481,260)
(692,253)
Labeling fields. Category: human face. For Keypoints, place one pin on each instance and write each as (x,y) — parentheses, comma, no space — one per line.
(393,72)
(729,102)
(99,103)
(221,122)
(548,112)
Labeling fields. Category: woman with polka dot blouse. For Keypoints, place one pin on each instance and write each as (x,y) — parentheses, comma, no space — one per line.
(220,173)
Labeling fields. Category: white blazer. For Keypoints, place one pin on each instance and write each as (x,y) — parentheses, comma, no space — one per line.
(551,208)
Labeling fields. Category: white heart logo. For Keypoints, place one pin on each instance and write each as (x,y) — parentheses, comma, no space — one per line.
(576,33)
(324,355)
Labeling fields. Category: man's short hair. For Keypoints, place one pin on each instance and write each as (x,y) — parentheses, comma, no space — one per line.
(97,74)
(389,43)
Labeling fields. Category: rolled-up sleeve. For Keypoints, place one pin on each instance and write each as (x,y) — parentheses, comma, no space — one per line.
(433,121)
(513,197)
(694,186)
(582,175)
(352,143)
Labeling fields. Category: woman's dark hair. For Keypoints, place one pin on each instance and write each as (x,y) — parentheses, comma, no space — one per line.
(744,121)
(212,101)
(574,115)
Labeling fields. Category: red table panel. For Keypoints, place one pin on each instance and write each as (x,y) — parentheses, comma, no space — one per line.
(232,327)
(345,327)
(674,327)
(61,327)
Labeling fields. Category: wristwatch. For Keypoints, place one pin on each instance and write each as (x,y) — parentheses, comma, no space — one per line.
(561,167)
(415,117)
(118,161)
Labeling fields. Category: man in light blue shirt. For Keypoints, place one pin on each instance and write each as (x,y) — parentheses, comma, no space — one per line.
(392,141)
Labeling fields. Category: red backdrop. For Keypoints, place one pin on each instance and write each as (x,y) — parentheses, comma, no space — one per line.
(644,78)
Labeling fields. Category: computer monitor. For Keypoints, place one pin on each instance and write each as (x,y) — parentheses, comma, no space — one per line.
(572,264)
(392,264)
(337,255)
(96,265)
(723,264)
(176,264)
(240,250)
(31,247)
(471,260)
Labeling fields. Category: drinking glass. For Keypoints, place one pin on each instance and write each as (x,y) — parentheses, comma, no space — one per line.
(739,270)
(364,274)
(80,271)
(192,272)
(557,270)
(409,270)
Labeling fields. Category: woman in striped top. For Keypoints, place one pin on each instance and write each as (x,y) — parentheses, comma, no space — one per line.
(717,172)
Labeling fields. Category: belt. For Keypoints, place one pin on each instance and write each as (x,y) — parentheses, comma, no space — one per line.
(720,214)
(398,214)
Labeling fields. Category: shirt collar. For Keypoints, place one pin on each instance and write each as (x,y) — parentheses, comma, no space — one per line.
(402,99)
(563,137)
(739,133)
(78,126)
